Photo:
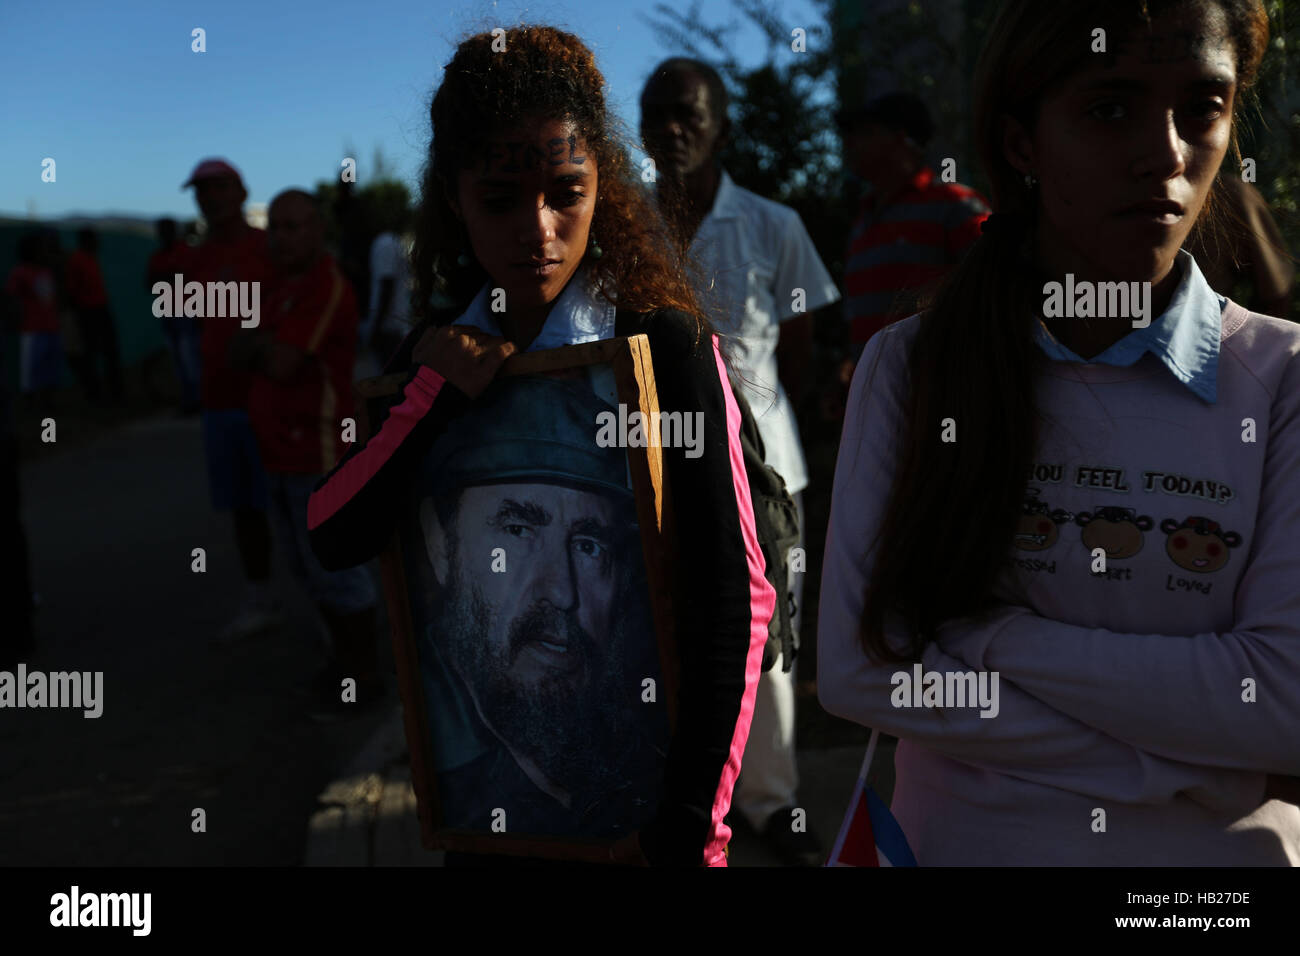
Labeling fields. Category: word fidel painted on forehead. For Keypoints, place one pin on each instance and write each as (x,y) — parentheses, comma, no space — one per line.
(1174,47)
(513,152)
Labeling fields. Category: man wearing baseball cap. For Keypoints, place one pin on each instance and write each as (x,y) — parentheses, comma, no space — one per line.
(911,227)
(232,251)
(534,662)
(301,358)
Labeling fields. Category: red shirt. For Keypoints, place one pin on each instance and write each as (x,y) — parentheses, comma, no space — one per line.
(911,240)
(299,422)
(243,259)
(85,280)
(33,287)
(165,263)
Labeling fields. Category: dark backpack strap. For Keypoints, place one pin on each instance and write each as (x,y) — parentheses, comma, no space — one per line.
(776,520)
(625,323)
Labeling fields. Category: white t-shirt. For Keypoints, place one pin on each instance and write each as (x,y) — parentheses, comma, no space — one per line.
(757,253)
(389,260)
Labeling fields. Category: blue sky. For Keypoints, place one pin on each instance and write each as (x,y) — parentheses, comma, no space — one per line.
(113,93)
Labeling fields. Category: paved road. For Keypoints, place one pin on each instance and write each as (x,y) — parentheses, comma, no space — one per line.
(368,815)
(112,523)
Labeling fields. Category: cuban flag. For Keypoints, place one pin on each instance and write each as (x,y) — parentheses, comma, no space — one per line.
(869,835)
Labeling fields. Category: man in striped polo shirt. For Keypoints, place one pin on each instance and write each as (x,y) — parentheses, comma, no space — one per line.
(300,393)
(911,227)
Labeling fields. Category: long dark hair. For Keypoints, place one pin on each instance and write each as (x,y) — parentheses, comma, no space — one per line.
(547,73)
(953,506)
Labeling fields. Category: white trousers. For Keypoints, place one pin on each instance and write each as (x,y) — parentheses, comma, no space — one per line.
(768,774)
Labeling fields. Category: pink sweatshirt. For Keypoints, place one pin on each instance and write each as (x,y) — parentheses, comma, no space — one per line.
(1161,691)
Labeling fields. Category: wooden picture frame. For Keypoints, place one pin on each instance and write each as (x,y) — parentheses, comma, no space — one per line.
(444,720)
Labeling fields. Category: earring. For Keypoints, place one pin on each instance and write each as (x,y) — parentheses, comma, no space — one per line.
(462,260)
(1030,181)
(594,250)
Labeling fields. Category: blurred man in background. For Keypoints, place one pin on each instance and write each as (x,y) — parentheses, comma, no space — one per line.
(233,251)
(301,361)
(33,285)
(17,631)
(355,233)
(98,332)
(911,226)
(389,319)
(761,281)
(181,332)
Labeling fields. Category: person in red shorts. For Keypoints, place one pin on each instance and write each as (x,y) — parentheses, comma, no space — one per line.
(86,290)
(32,284)
(233,251)
(301,358)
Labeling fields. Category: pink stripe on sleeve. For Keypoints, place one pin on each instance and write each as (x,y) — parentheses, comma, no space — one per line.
(345,483)
(762,603)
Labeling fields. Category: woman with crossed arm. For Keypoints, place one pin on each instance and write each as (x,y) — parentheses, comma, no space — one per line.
(1100,505)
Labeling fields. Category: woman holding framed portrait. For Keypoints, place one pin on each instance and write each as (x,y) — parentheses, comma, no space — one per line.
(533,233)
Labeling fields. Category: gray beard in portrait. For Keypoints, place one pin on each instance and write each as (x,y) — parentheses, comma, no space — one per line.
(577,738)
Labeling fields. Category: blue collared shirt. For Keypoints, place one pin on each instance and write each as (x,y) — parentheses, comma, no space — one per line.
(578,315)
(1185,337)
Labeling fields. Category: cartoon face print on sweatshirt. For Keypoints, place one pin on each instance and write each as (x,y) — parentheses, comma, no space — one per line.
(1038,527)
(1198,543)
(1113,533)
(1117,531)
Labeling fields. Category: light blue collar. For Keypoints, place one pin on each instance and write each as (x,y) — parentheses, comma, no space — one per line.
(1185,337)
(578,315)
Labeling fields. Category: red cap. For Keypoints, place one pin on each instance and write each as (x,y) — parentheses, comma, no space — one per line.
(212,169)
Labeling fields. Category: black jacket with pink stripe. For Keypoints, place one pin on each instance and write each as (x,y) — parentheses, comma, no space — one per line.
(721,601)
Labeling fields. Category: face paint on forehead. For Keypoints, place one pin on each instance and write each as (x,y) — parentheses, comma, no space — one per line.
(513,156)
(1172,47)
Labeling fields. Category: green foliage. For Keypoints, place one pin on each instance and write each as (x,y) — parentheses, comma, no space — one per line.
(378,200)
(1272,132)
